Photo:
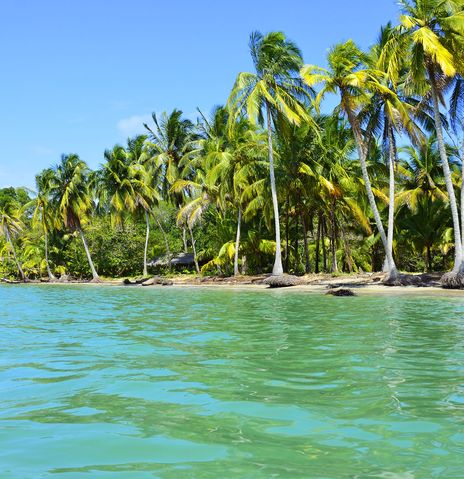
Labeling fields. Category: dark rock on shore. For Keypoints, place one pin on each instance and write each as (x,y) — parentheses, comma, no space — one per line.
(340,292)
(282,281)
(419,280)
(452,280)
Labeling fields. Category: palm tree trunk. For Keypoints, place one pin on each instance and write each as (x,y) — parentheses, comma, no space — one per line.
(287,237)
(305,243)
(318,239)
(18,264)
(166,241)
(197,267)
(324,247)
(237,242)
(145,251)
(462,197)
(429,258)
(391,198)
(333,238)
(51,276)
(296,266)
(458,254)
(184,239)
(346,245)
(362,152)
(95,276)
(277,269)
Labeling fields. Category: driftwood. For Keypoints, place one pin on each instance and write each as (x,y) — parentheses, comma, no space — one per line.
(157,280)
(9,281)
(134,282)
(282,281)
(341,292)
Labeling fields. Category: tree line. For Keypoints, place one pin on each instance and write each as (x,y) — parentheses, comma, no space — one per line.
(267,181)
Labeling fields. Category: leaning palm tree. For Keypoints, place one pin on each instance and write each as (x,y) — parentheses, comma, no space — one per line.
(349,77)
(435,32)
(274,88)
(69,190)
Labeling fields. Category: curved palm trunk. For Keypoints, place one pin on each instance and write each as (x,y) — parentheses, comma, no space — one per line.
(18,264)
(362,152)
(278,268)
(197,266)
(145,251)
(95,276)
(51,276)
(237,242)
(458,254)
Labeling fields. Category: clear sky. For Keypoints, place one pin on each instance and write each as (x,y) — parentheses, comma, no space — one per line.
(80,76)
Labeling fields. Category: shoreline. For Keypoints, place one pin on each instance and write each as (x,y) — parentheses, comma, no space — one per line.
(322,283)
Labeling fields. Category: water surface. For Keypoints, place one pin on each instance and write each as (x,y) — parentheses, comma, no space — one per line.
(138,383)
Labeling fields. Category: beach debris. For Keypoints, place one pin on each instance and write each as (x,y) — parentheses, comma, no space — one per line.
(157,280)
(341,292)
(10,281)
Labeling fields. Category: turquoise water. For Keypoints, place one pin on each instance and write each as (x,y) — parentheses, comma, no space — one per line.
(138,383)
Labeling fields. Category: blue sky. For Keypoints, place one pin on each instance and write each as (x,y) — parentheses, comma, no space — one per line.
(81,76)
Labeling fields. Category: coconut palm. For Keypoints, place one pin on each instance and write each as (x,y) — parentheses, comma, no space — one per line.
(274,88)
(69,190)
(435,32)
(169,140)
(349,76)
(44,215)
(11,225)
(124,184)
(389,115)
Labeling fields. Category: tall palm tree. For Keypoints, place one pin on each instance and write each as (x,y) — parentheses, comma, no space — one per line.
(349,77)
(389,115)
(170,139)
(273,88)
(69,190)
(44,214)
(435,32)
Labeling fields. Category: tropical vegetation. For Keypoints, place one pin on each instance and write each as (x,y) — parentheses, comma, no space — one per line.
(275,180)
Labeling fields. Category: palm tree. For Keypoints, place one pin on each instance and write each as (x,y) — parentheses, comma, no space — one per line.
(274,88)
(124,184)
(349,76)
(143,180)
(169,141)
(44,215)
(10,224)
(69,190)
(435,32)
(112,184)
(388,114)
